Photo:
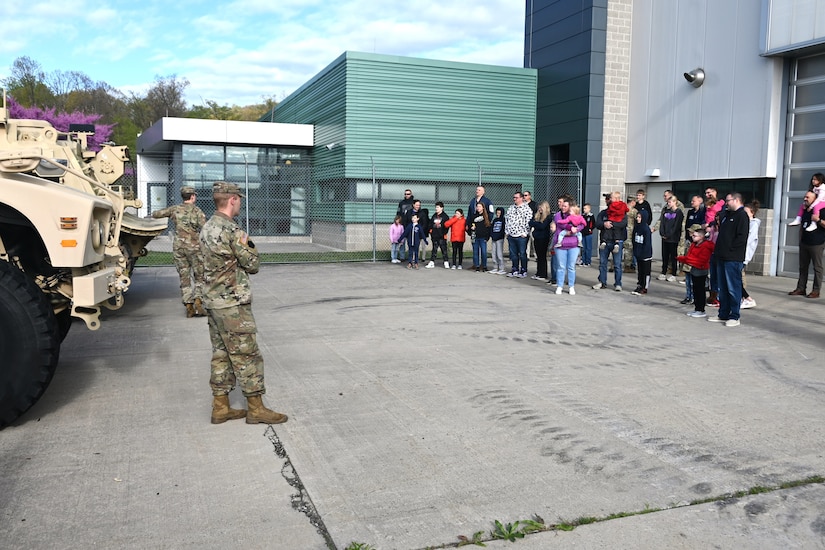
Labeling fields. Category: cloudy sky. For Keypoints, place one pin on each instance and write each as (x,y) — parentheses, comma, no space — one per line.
(240,51)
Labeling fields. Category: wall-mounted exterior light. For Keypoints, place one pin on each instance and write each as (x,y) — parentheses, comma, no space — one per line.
(696,77)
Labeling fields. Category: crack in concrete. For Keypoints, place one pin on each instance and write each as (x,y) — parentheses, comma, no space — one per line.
(301,500)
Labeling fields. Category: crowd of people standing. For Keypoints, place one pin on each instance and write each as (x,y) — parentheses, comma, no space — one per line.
(705,246)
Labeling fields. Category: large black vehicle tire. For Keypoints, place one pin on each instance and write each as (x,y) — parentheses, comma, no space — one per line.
(29,343)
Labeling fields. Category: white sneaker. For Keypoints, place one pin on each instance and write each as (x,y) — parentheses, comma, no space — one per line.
(811,227)
(446,265)
(662,277)
(395,261)
(459,267)
(670,278)
(747,303)
(534,277)
(796,221)
(598,286)
(430,265)
(453,267)
(697,314)
(732,323)
(571,291)
(617,288)
(558,289)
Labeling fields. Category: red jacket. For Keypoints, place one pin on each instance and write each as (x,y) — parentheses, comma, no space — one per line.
(698,255)
(457,227)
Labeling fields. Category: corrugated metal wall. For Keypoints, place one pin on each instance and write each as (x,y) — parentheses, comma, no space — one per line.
(399,110)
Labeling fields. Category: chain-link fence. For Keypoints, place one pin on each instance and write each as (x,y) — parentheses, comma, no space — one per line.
(334,213)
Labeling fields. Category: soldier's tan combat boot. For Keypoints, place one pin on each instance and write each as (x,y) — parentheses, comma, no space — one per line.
(221,411)
(199,311)
(190,311)
(259,414)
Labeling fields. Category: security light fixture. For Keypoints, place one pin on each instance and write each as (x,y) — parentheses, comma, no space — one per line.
(696,77)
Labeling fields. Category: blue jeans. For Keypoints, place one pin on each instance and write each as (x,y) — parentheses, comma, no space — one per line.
(480,253)
(394,251)
(604,254)
(518,253)
(729,279)
(566,258)
(587,249)
(688,287)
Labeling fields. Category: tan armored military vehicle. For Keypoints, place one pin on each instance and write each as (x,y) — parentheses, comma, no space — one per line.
(67,247)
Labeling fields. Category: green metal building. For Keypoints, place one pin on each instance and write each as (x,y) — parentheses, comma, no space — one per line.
(385,123)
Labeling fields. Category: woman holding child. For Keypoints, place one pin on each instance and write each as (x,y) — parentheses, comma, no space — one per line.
(567,249)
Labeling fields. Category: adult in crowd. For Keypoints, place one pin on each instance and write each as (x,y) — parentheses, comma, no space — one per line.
(568,252)
(229,257)
(731,244)
(811,246)
(479,227)
(694,215)
(613,234)
(186,249)
(753,243)
(540,224)
(671,221)
(628,258)
(404,205)
(481,198)
(531,245)
(517,227)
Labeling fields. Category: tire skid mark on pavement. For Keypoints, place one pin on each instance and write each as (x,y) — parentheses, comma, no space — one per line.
(729,468)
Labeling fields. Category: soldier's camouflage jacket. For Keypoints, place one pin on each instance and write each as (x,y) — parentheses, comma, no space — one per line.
(188,220)
(228,259)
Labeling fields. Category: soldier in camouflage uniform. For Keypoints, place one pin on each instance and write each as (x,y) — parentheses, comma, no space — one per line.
(229,257)
(186,250)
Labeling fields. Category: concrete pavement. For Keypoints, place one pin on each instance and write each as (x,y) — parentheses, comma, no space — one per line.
(425,405)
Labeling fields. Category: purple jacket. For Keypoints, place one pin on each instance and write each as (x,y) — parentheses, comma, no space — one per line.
(570,241)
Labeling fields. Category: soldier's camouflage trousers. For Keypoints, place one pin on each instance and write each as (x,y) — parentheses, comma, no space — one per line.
(189,264)
(235,353)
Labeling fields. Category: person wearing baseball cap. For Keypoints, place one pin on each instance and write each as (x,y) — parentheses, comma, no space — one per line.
(186,249)
(229,258)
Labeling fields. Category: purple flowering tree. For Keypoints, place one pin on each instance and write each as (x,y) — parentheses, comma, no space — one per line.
(61,121)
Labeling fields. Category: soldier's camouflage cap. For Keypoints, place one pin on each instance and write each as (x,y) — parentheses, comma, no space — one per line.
(227,188)
(187,190)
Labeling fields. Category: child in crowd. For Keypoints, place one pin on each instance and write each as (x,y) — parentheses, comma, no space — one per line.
(497,234)
(413,235)
(574,217)
(616,212)
(750,248)
(396,230)
(457,225)
(587,234)
(438,233)
(698,258)
(642,251)
(817,181)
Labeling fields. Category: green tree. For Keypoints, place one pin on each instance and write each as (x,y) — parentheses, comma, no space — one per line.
(27,84)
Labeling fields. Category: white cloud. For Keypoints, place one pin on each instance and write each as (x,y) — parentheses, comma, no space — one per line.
(237,52)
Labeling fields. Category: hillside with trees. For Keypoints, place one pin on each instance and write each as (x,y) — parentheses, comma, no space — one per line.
(73,95)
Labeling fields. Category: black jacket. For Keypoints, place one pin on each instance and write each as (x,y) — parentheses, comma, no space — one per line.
(733,236)
(616,233)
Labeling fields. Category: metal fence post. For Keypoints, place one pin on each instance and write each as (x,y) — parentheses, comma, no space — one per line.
(374,213)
